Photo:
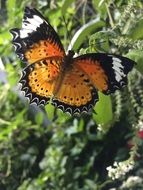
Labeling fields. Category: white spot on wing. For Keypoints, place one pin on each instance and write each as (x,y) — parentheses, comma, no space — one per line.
(118,69)
(24,33)
(38,19)
(30,25)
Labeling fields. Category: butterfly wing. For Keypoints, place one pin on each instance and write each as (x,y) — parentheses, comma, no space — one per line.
(107,72)
(76,94)
(39,79)
(36,39)
(75,89)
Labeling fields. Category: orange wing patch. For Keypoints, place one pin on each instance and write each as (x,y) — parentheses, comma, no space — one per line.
(76,94)
(43,49)
(37,39)
(38,80)
(95,72)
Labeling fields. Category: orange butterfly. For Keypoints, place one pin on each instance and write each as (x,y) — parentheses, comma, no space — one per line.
(71,84)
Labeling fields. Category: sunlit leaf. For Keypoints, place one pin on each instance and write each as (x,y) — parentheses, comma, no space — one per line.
(137,31)
(50,111)
(103,109)
(11,4)
(84,32)
(100,7)
(4,38)
(137,56)
(66,4)
(12,75)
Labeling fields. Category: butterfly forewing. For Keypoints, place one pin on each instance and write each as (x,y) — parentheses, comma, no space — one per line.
(107,72)
(36,39)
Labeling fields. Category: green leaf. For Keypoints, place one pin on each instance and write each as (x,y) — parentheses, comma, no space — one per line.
(12,77)
(100,41)
(11,4)
(137,31)
(100,7)
(39,118)
(12,125)
(91,184)
(66,4)
(56,114)
(50,111)
(54,16)
(84,32)
(137,56)
(62,117)
(4,38)
(103,109)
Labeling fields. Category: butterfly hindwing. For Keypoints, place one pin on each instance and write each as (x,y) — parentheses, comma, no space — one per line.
(76,94)
(36,39)
(39,79)
(107,72)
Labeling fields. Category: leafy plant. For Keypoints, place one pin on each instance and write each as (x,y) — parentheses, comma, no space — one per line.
(45,149)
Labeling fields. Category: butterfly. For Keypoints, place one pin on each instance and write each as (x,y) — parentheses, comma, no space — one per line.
(67,82)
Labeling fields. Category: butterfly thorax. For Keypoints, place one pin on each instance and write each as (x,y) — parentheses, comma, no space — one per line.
(68,60)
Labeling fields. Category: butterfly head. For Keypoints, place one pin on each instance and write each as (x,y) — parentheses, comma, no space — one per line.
(70,53)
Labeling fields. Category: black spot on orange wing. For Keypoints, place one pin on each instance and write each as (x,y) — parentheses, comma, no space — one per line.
(107,72)
(36,84)
(94,71)
(36,39)
(76,94)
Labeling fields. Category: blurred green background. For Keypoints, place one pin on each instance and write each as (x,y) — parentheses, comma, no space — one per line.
(45,149)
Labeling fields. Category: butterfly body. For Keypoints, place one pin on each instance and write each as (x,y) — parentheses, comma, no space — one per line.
(69,83)
(68,61)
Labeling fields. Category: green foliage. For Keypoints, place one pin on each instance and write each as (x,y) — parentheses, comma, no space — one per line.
(84,31)
(44,149)
(100,117)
